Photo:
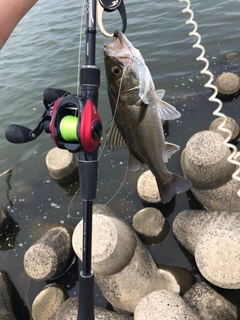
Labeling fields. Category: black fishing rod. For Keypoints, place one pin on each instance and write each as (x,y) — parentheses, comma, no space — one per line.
(74,125)
(88,163)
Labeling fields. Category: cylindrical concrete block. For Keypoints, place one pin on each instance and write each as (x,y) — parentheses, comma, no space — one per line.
(147,189)
(188,224)
(150,225)
(222,198)
(163,305)
(124,270)
(140,277)
(113,244)
(217,251)
(126,288)
(184,278)
(103,314)
(47,303)
(69,311)
(62,165)
(230,124)
(4,220)
(231,56)
(208,304)
(6,311)
(103,209)
(204,161)
(50,255)
(228,84)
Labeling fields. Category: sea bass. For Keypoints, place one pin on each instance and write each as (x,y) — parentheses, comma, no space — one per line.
(138,112)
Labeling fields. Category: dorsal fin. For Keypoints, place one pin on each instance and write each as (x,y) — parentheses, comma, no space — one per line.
(170,149)
(115,139)
(167,111)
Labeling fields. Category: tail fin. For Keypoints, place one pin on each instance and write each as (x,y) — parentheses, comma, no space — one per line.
(177,185)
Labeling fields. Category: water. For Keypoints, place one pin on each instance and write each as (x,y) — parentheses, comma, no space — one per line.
(43,52)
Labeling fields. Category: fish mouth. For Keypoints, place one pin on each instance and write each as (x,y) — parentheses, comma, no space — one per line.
(121,48)
(120,41)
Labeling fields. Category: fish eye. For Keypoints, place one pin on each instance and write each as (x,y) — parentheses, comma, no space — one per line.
(116,70)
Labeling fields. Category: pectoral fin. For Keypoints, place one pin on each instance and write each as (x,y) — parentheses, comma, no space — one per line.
(170,149)
(167,111)
(115,139)
(160,93)
(134,164)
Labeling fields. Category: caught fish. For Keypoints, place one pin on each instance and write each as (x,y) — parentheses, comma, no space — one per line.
(138,111)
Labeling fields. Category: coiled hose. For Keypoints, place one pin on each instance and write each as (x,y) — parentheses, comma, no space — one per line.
(235,153)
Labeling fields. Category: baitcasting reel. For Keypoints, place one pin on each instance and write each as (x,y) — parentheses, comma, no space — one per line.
(73,122)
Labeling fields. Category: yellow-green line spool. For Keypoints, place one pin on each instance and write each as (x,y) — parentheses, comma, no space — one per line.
(68,128)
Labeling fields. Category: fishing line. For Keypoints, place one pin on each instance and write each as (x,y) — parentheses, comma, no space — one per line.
(115,111)
(79,48)
(78,83)
(118,190)
(235,153)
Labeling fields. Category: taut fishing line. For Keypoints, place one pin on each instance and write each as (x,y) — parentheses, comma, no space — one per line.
(79,47)
(78,84)
(100,154)
(235,153)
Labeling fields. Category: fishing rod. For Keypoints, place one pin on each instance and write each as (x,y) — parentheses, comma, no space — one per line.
(75,125)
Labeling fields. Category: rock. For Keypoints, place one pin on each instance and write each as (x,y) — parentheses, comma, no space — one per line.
(6,311)
(124,270)
(188,224)
(104,209)
(183,278)
(69,311)
(50,255)
(232,55)
(135,281)
(62,165)
(113,244)
(4,220)
(204,161)
(147,189)
(47,303)
(217,251)
(211,176)
(150,225)
(162,305)
(208,304)
(228,84)
(231,125)
(222,198)
(213,237)
(103,314)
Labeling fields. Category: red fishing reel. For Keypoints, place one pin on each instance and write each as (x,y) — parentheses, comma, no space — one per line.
(75,124)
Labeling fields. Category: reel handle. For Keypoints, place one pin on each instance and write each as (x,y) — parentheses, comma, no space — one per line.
(18,134)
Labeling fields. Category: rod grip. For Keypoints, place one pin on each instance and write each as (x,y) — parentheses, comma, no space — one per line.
(86,297)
